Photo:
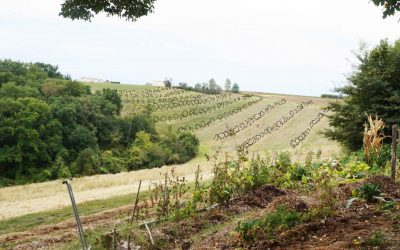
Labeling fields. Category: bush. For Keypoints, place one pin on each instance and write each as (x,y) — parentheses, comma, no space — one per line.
(87,163)
(109,163)
(284,161)
(368,191)
(269,225)
(298,173)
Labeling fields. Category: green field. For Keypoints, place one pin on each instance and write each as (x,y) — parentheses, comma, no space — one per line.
(279,140)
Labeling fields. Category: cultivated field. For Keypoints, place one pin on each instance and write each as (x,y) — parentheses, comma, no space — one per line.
(256,123)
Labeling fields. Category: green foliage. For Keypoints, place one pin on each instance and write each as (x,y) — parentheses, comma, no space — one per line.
(48,123)
(221,189)
(87,163)
(228,85)
(59,169)
(368,191)
(377,239)
(85,10)
(373,89)
(29,136)
(51,71)
(112,96)
(331,96)
(283,161)
(269,225)
(247,230)
(298,173)
(235,88)
(382,158)
(11,90)
(211,87)
(171,149)
(354,170)
(259,172)
(110,163)
(390,6)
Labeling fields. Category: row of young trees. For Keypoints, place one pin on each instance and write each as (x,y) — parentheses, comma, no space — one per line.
(52,127)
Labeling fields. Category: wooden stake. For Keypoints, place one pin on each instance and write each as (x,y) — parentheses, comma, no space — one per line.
(394,150)
(136,202)
(165,196)
(149,233)
(114,239)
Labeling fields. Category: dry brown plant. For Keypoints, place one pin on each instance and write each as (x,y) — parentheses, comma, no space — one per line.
(373,136)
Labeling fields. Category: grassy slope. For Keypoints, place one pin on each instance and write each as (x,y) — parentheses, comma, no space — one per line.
(51,195)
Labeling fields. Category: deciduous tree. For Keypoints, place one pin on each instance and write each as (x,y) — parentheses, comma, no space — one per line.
(373,88)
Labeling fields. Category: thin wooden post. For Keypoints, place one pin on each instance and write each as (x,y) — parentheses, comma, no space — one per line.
(114,239)
(394,150)
(197,177)
(136,201)
(76,214)
(149,233)
(165,196)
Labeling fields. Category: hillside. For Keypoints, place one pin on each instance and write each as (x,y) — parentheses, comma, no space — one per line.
(135,96)
(50,195)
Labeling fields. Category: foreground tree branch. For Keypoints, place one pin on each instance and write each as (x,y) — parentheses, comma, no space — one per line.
(131,10)
(390,6)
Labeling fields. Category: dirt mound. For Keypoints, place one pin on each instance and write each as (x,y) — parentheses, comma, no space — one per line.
(293,201)
(259,197)
(345,191)
(387,185)
(338,232)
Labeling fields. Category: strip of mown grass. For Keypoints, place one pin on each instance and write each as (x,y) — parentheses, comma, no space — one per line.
(25,222)
(29,221)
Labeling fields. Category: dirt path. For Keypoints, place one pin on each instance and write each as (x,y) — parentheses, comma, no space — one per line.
(32,198)
(47,236)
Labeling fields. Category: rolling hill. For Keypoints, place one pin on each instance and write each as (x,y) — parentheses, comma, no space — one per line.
(257,123)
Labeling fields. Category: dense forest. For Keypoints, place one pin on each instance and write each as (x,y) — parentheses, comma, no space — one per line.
(52,127)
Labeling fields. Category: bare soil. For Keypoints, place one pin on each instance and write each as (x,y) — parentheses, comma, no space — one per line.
(346,228)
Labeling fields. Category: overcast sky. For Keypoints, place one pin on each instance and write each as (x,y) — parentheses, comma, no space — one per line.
(292,46)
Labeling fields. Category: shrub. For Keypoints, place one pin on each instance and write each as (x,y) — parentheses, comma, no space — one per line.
(87,163)
(298,173)
(377,239)
(284,161)
(269,225)
(368,191)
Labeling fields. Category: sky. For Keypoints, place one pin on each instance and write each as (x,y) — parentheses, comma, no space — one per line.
(291,46)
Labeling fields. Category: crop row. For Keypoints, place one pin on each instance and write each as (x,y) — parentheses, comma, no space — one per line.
(187,103)
(208,122)
(243,147)
(177,99)
(248,122)
(194,111)
(296,141)
(150,93)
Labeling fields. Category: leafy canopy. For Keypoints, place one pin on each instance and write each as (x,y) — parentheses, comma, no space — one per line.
(131,10)
(390,6)
(374,88)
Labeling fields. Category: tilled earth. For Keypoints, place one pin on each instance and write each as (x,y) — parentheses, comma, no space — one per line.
(347,228)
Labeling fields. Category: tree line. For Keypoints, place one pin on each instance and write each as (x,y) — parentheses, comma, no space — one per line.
(52,127)
(211,87)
